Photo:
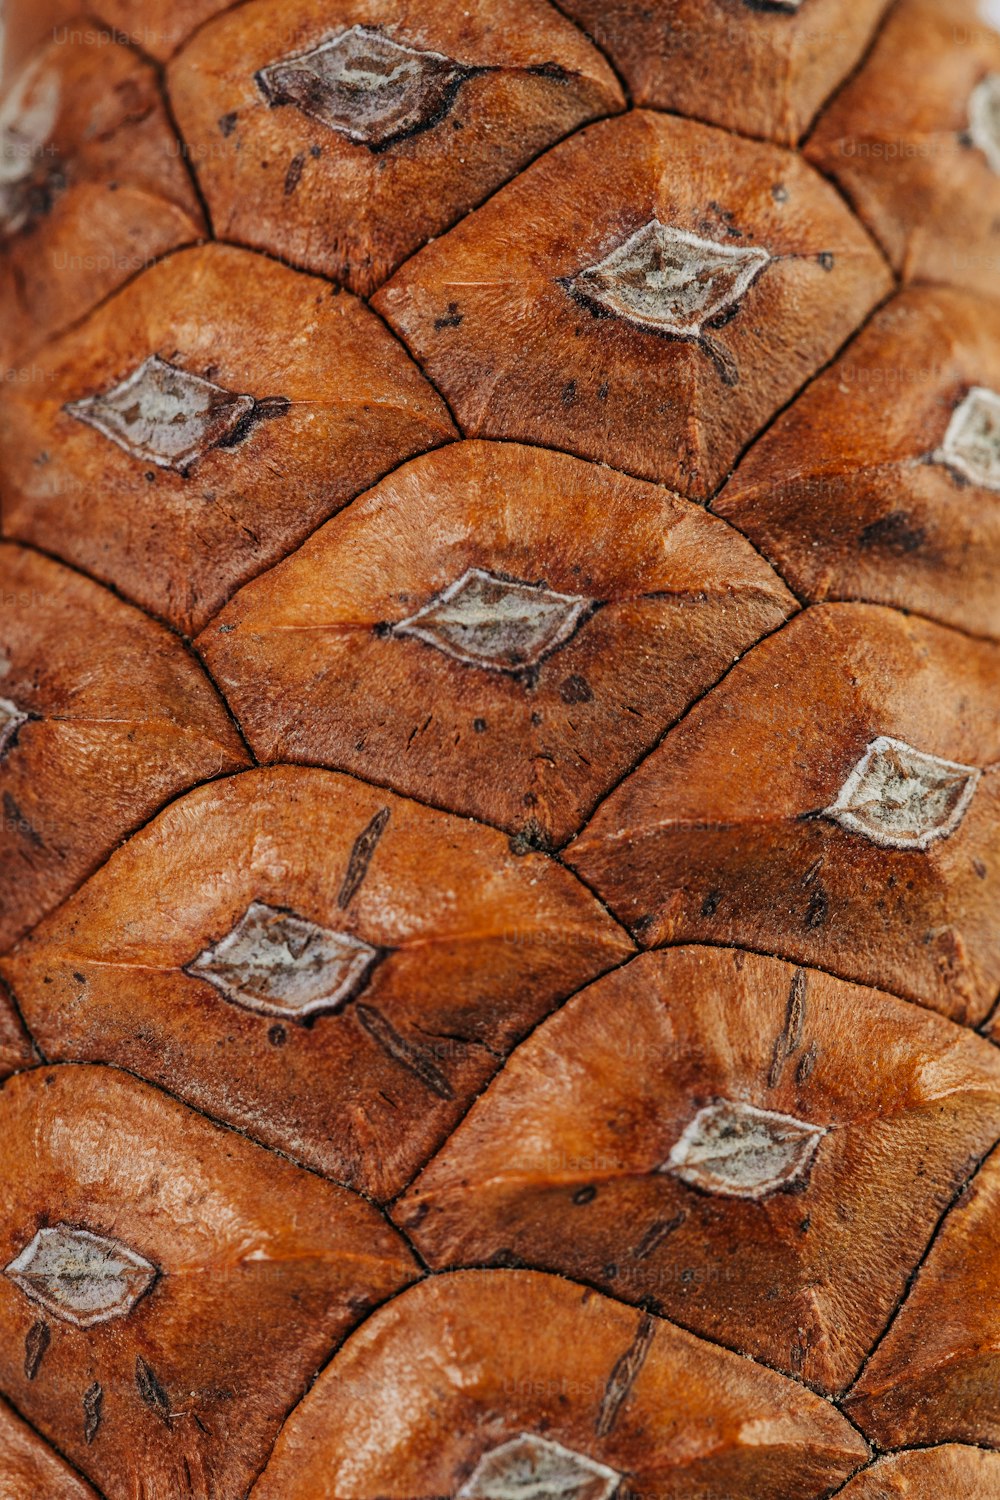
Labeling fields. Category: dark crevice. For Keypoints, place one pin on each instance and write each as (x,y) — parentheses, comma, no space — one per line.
(599,49)
(793,400)
(7,994)
(52,1447)
(846,82)
(817,968)
(676,722)
(955,1201)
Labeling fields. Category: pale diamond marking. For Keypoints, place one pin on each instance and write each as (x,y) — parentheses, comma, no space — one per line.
(365,85)
(736,1150)
(535,1468)
(670,281)
(902,798)
(11,721)
(504,625)
(164,415)
(984,119)
(277,963)
(27,119)
(81,1277)
(971,445)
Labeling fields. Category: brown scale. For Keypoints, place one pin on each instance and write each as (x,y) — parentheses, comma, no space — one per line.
(498,744)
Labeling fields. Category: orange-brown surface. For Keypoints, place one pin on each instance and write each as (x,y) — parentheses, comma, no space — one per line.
(852,494)
(98,189)
(474,943)
(726,833)
(112,717)
(279,178)
(336,403)
(321,663)
(463,1364)
(571,1160)
(498,315)
(499,682)
(258,1267)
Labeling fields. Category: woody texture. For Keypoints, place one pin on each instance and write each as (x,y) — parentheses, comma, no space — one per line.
(500,750)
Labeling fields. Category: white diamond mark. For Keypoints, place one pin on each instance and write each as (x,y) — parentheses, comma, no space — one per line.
(279,964)
(984,119)
(81,1277)
(163,415)
(972,443)
(902,798)
(491,622)
(670,281)
(738,1151)
(11,720)
(366,86)
(534,1468)
(27,119)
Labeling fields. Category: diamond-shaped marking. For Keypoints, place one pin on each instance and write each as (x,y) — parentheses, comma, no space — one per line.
(534,1468)
(902,798)
(81,1277)
(670,281)
(279,964)
(738,1151)
(163,415)
(492,622)
(27,118)
(11,720)
(984,119)
(365,86)
(972,443)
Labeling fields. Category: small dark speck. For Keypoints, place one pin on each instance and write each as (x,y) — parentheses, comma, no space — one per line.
(585,1195)
(479,725)
(602,391)
(277,1036)
(537,719)
(979,868)
(227,123)
(451,319)
(315,151)
(569,393)
(225,629)
(80,978)
(826,260)
(710,905)
(151,476)
(779,193)
(576,689)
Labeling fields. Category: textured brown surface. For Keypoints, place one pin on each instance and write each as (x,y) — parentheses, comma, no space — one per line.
(933,1379)
(575,447)
(953,1471)
(486,311)
(100,189)
(479,944)
(284,181)
(30,1470)
(261,1266)
(848,493)
(309,660)
(562,1162)
(759,69)
(897,141)
(720,834)
(120,720)
(395,1417)
(339,404)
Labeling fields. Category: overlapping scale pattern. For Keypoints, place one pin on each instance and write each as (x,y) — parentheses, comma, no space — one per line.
(499,736)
